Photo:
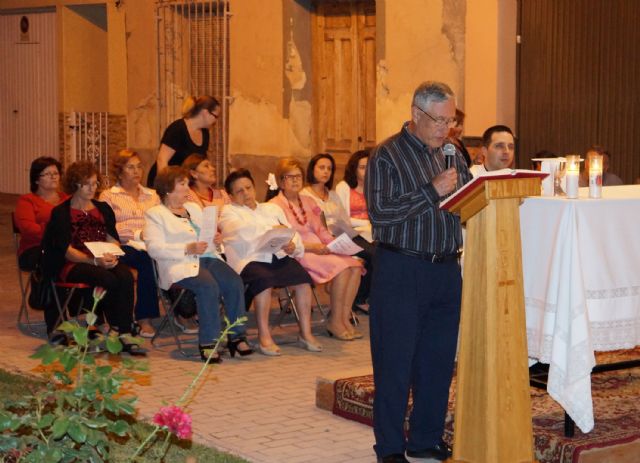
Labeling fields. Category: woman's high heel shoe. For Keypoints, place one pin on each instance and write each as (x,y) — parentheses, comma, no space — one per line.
(204,354)
(342,336)
(234,346)
(310,346)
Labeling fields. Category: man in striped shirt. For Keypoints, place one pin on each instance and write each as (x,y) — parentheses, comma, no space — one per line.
(416,287)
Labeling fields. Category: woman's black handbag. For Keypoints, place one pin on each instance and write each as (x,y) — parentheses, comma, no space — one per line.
(41,294)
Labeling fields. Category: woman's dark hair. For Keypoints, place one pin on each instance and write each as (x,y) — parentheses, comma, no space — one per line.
(37,166)
(167,178)
(192,162)
(311,180)
(234,176)
(77,174)
(351,170)
(192,106)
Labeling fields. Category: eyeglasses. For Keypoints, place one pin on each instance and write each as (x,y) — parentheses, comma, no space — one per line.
(89,185)
(50,174)
(292,177)
(440,121)
(217,116)
(133,167)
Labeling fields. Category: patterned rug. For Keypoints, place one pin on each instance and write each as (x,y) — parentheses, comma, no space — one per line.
(616,401)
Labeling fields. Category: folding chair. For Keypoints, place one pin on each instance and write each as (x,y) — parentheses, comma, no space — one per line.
(68,290)
(24,286)
(169,312)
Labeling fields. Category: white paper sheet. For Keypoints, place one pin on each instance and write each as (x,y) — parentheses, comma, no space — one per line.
(100,248)
(344,245)
(273,240)
(209,226)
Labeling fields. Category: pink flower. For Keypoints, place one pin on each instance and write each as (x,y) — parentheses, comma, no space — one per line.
(98,293)
(176,420)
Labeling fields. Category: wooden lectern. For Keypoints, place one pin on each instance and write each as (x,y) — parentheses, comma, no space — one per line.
(493,404)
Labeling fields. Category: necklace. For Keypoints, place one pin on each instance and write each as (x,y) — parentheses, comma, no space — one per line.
(323,196)
(295,214)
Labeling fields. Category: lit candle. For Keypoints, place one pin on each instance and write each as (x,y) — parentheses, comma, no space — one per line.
(595,175)
(572,175)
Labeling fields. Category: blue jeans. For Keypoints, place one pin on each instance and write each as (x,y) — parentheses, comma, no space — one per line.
(215,279)
(414,316)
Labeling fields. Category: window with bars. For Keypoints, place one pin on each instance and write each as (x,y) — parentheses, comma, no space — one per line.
(193,59)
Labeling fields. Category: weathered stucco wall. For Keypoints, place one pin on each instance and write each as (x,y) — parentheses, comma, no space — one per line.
(84,64)
(490,65)
(140,39)
(265,60)
(427,44)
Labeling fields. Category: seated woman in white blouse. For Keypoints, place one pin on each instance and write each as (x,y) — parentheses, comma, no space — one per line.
(173,239)
(243,223)
(351,193)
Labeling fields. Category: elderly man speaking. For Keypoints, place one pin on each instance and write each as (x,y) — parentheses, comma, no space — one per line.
(416,287)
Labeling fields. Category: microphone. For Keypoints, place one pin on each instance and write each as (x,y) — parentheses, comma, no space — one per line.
(449,154)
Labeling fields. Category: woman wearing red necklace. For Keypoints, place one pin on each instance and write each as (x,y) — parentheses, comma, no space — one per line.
(344,272)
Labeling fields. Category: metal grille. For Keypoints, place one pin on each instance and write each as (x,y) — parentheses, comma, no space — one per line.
(89,139)
(193,59)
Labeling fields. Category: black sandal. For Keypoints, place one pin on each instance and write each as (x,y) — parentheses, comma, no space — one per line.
(204,355)
(132,348)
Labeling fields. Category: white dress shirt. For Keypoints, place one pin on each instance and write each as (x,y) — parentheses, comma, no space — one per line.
(242,228)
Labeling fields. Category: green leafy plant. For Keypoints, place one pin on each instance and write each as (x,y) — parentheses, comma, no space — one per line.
(173,419)
(81,408)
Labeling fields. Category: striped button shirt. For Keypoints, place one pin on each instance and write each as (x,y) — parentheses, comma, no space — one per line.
(128,210)
(403,203)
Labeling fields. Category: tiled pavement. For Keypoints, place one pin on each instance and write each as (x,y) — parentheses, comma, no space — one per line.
(260,408)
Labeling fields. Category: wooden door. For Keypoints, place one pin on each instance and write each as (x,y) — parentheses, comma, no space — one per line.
(344,76)
(28,103)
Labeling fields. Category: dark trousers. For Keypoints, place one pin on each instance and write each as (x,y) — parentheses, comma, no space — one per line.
(146,293)
(415,312)
(30,258)
(117,305)
(367,255)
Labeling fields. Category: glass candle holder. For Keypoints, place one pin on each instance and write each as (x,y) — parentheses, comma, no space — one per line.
(572,175)
(595,175)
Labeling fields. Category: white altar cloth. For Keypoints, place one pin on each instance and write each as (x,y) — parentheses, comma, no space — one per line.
(581,269)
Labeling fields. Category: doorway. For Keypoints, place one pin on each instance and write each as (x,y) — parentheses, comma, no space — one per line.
(28,98)
(344,69)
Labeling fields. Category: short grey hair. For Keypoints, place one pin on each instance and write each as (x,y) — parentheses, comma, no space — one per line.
(431,92)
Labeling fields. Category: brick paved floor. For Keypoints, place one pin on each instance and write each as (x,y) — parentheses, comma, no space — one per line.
(260,408)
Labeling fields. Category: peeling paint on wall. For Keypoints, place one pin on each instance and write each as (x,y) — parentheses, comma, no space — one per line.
(293,67)
(381,78)
(453,28)
(142,122)
(263,129)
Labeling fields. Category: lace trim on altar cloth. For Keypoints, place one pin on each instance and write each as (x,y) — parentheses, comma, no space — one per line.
(612,293)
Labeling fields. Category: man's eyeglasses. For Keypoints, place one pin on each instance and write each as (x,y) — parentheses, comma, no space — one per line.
(292,177)
(440,121)
(133,167)
(217,116)
(50,174)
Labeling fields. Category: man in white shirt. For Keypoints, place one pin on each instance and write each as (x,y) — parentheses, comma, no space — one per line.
(498,148)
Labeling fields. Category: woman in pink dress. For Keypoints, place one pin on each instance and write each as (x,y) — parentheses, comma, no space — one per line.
(343,272)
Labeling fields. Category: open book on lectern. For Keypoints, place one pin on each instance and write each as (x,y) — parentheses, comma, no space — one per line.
(477,182)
